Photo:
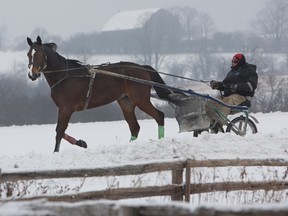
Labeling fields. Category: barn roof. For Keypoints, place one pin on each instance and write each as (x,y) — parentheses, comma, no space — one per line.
(127,20)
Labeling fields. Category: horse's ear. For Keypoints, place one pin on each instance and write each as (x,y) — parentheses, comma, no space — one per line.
(39,41)
(29,41)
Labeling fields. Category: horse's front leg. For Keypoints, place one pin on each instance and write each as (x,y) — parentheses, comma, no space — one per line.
(64,116)
(73,141)
(62,124)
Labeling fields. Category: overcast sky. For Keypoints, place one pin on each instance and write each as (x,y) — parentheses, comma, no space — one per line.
(68,17)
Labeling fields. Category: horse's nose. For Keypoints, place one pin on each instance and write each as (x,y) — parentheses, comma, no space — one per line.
(33,77)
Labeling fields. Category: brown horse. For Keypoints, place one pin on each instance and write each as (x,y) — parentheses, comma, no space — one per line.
(75,88)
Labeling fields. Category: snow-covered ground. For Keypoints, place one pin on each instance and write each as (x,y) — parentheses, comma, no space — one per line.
(31,146)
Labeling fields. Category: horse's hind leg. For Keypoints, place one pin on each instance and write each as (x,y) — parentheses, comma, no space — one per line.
(128,110)
(147,107)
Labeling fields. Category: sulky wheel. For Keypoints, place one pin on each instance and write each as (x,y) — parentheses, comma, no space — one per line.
(239,122)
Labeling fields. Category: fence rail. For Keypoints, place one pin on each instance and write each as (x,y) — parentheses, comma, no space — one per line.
(177,189)
(93,172)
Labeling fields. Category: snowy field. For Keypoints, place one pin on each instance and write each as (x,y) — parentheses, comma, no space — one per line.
(31,146)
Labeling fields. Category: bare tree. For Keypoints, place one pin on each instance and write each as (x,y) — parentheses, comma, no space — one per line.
(3,30)
(197,30)
(206,30)
(270,94)
(187,17)
(272,22)
(206,27)
(158,37)
(44,33)
(20,44)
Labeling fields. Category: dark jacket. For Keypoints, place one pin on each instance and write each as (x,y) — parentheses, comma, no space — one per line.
(242,81)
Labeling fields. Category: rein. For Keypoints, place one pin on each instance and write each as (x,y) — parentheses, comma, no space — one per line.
(67,75)
(89,67)
(207,82)
(64,70)
(93,70)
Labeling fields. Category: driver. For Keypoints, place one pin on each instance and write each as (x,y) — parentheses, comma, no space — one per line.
(238,87)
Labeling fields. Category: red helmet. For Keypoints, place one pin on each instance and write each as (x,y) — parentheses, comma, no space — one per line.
(239,59)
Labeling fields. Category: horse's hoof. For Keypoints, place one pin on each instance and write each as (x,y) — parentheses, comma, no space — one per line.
(81,143)
(56,149)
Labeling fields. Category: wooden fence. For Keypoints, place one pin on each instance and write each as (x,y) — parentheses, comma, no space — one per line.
(180,188)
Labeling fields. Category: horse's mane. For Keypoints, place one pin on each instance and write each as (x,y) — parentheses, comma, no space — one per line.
(53,46)
(75,62)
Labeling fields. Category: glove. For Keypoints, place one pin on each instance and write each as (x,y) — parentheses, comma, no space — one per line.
(216,85)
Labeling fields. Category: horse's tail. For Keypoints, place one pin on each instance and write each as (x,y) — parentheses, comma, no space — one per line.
(162,92)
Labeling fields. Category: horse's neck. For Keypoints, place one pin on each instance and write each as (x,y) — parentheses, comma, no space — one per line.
(56,62)
(56,69)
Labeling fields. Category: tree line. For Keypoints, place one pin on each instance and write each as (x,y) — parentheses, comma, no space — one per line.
(26,102)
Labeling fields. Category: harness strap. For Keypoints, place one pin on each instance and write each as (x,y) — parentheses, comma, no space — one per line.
(89,93)
(66,75)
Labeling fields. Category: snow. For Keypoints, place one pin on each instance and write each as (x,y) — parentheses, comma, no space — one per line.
(104,207)
(31,146)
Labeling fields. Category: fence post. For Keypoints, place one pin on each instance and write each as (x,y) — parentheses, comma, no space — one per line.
(188,181)
(177,178)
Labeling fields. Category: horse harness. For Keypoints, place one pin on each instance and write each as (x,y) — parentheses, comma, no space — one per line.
(91,75)
(92,71)
(89,92)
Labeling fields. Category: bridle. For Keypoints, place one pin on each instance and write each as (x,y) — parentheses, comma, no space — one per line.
(44,58)
(41,68)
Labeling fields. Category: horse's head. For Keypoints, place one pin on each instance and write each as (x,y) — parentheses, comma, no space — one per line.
(37,58)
